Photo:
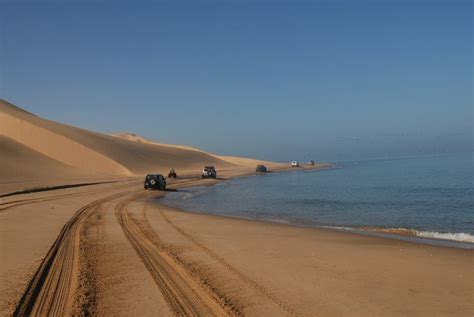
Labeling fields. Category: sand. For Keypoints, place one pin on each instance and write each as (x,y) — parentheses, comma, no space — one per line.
(112,249)
(315,272)
(91,151)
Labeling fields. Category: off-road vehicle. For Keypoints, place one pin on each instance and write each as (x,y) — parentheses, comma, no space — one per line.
(209,172)
(172,173)
(155,181)
(295,164)
(261,169)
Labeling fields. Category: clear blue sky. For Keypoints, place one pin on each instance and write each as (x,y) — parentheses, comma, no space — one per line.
(328,80)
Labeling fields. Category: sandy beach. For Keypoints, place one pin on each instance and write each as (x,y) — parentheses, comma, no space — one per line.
(132,256)
(110,248)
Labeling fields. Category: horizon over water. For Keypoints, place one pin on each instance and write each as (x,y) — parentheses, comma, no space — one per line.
(422,197)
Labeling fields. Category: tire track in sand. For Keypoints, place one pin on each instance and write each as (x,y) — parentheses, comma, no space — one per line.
(182,294)
(28,201)
(263,290)
(51,290)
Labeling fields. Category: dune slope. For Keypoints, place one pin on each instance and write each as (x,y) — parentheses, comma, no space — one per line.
(92,151)
(235,160)
(20,163)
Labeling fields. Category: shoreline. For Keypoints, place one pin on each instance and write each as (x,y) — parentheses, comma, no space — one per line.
(410,235)
(376,232)
(260,268)
(319,272)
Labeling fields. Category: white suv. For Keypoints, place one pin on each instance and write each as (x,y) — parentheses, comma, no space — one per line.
(209,172)
(295,164)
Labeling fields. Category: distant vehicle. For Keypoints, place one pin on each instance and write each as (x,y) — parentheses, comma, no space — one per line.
(295,164)
(209,172)
(261,169)
(311,162)
(172,173)
(155,181)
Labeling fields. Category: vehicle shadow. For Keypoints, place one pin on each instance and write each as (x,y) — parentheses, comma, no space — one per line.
(169,190)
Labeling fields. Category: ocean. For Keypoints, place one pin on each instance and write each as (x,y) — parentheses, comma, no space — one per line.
(429,198)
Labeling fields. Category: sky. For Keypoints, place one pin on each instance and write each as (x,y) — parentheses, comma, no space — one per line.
(277,80)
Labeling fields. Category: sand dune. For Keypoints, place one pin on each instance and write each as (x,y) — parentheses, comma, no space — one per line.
(95,152)
(236,160)
(21,163)
(37,152)
(22,168)
(140,139)
(251,163)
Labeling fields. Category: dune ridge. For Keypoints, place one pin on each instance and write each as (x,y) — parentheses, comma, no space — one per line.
(140,139)
(69,152)
(236,160)
(21,163)
(57,146)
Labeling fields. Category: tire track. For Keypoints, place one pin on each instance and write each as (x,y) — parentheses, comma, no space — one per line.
(51,188)
(231,305)
(22,202)
(188,183)
(51,290)
(182,294)
(232,269)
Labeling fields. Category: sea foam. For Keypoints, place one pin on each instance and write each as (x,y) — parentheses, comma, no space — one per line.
(463,237)
(460,236)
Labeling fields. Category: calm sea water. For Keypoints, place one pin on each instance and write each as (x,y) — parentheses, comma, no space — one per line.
(429,197)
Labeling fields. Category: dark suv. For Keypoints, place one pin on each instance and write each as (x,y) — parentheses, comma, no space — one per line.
(209,172)
(155,181)
(261,169)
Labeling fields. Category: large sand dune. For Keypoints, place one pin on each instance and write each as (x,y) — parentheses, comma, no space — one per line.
(239,161)
(20,163)
(72,151)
